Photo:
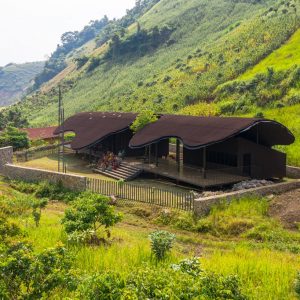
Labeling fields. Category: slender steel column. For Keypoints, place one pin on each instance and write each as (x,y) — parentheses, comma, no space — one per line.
(204,162)
(178,154)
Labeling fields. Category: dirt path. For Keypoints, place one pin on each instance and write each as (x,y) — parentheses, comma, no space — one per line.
(286,208)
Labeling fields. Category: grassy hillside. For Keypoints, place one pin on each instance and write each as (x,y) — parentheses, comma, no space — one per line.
(15,79)
(282,59)
(211,42)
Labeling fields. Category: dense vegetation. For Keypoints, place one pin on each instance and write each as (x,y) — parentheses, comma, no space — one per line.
(245,254)
(15,79)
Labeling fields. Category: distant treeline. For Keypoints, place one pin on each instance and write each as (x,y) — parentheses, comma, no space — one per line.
(103,30)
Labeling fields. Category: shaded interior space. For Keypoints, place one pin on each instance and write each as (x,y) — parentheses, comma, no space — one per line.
(203,152)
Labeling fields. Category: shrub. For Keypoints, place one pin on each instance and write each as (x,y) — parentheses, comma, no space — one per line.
(144,118)
(12,136)
(90,212)
(26,275)
(189,266)
(297,285)
(180,282)
(37,206)
(161,243)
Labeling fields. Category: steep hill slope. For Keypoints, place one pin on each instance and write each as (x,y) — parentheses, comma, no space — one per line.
(15,79)
(197,46)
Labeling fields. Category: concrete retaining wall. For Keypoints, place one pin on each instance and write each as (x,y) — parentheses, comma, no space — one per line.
(293,172)
(6,157)
(202,206)
(73,182)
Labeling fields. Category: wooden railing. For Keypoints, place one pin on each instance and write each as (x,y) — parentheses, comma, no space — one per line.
(150,195)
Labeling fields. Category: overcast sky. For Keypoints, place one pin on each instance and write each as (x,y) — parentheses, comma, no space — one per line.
(31,29)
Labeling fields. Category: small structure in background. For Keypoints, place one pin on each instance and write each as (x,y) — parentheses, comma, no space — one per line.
(45,134)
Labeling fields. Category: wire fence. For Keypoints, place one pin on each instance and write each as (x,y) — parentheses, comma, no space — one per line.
(138,193)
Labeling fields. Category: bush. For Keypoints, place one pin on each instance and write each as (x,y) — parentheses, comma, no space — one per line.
(189,266)
(90,212)
(45,189)
(12,136)
(161,243)
(180,281)
(297,285)
(144,118)
(26,275)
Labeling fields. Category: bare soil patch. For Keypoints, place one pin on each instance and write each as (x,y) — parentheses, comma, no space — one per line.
(286,208)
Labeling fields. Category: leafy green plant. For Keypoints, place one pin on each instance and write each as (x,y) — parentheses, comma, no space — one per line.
(297,285)
(26,275)
(189,266)
(161,243)
(12,136)
(90,212)
(144,118)
(37,206)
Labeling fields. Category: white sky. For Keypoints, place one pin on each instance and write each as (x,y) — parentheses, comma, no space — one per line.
(31,29)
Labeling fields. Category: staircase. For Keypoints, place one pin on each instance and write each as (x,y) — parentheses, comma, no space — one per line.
(124,172)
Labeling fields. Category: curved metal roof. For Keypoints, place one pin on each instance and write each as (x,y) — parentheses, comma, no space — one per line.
(197,132)
(92,127)
(194,132)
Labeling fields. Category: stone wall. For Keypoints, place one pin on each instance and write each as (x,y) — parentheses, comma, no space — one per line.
(73,182)
(6,156)
(202,206)
(293,172)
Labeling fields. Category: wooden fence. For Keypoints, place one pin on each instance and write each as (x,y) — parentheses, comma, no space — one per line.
(150,195)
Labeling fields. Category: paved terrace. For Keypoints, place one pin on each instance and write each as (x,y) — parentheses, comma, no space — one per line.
(168,168)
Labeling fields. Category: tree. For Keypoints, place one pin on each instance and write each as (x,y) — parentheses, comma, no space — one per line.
(26,275)
(89,213)
(144,118)
(14,137)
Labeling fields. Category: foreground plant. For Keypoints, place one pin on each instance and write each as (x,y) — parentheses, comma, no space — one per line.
(26,275)
(183,283)
(297,285)
(88,214)
(161,243)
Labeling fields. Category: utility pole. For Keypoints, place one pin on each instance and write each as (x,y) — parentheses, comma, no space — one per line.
(61,168)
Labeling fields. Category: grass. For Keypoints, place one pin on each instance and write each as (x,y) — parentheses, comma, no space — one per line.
(78,166)
(283,58)
(264,272)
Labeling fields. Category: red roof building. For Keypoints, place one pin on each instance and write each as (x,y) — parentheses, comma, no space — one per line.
(46,133)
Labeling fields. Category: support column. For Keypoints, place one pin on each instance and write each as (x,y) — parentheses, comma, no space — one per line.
(156,154)
(204,163)
(178,154)
(149,154)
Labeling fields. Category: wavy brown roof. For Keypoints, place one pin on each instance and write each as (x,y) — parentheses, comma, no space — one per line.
(194,132)
(197,132)
(92,127)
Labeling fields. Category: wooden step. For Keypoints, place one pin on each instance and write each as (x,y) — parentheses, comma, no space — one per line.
(124,172)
